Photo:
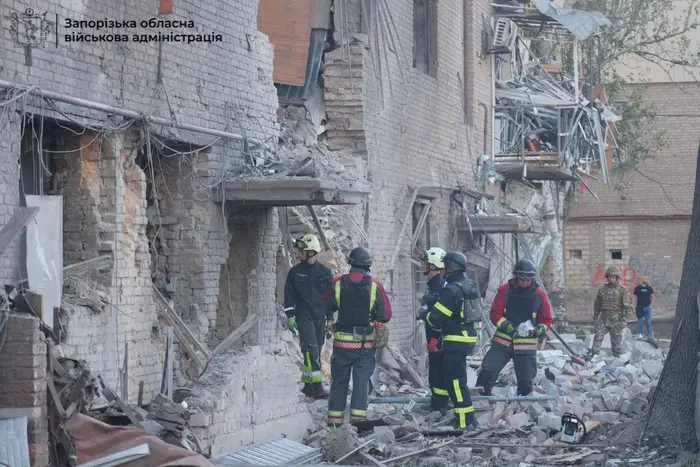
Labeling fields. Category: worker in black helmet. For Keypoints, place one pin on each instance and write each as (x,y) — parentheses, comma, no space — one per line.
(362,306)
(522,315)
(453,314)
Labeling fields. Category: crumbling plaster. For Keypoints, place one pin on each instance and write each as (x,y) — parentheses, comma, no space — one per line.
(223,86)
(411,130)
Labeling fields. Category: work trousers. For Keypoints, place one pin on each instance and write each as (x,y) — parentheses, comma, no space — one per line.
(359,362)
(524,362)
(454,366)
(312,331)
(614,327)
(436,378)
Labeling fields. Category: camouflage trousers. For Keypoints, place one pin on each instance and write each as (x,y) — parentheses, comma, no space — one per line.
(603,327)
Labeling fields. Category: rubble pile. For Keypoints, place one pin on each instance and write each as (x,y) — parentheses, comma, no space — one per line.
(602,393)
(74,390)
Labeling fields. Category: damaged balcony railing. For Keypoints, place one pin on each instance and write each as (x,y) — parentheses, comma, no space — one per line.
(539,115)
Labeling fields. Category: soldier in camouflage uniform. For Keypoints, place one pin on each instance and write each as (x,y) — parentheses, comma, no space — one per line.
(613,305)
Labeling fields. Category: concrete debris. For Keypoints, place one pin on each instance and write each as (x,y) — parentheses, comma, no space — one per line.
(73,389)
(604,391)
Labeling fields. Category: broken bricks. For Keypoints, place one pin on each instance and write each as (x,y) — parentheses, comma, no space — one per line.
(606,390)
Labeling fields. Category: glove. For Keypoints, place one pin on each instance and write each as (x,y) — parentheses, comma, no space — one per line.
(292,324)
(540,330)
(508,328)
(433,345)
(423,312)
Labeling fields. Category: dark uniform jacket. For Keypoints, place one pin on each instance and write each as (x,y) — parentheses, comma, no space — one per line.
(448,313)
(304,288)
(359,299)
(435,286)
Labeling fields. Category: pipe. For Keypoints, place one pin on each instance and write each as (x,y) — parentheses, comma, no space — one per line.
(406,399)
(131,114)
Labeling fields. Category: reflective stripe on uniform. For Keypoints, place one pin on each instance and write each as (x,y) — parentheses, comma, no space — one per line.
(462,413)
(498,340)
(336,414)
(372,295)
(503,335)
(440,392)
(525,340)
(443,309)
(524,346)
(500,321)
(353,345)
(458,391)
(464,338)
(358,413)
(427,319)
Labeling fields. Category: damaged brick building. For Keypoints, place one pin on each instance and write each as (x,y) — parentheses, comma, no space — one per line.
(152,165)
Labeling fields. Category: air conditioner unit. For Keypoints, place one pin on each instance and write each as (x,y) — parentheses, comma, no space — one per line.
(503,33)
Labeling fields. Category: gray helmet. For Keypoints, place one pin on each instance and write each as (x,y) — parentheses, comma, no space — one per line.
(360,257)
(455,261)
(525,269)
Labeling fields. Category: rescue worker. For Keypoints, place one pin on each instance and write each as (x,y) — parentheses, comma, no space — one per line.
(303,305)
(612,306)
(434,269)
(453,315)
(362,303)
(518,303)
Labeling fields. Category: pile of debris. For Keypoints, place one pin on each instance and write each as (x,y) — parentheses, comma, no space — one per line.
(81,403)
(567,419)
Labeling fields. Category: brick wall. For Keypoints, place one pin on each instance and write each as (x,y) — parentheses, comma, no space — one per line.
(204,83)
(10,143)
(225,85)
(647,218)
(23,376)
(415,133)
(665,185)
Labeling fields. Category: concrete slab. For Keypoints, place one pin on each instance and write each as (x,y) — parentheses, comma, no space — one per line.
(290,192)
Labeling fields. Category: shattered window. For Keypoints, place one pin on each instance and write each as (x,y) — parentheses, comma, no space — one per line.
(615,254)
(425,36)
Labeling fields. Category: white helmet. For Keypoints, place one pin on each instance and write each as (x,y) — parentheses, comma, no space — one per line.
(308,242)
(434,256)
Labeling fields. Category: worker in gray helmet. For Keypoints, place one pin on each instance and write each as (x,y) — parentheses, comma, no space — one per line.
(522,315)
(363,306)
(453,315)
(433,259)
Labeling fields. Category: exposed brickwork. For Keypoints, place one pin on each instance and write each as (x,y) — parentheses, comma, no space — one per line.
(206,84)
(105,213)
(23,391)
(414,133)
(647,221)
(10,143)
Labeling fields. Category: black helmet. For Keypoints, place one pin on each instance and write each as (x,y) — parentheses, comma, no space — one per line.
(525,269)
(360,257)
(455,261)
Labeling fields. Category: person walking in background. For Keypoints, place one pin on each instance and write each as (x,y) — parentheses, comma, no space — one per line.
(644,296)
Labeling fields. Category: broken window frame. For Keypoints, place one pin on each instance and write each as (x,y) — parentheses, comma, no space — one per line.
(425,36)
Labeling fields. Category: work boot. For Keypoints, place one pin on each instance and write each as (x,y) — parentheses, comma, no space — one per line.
(471,422)
(317,391)
(308,390)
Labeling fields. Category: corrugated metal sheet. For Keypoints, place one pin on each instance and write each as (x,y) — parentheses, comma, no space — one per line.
(288,25)
(276,452)
(14,446)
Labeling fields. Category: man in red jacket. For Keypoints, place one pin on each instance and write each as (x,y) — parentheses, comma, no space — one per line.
(521,313)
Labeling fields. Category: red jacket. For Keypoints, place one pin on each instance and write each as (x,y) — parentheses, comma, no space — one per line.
(498,307)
